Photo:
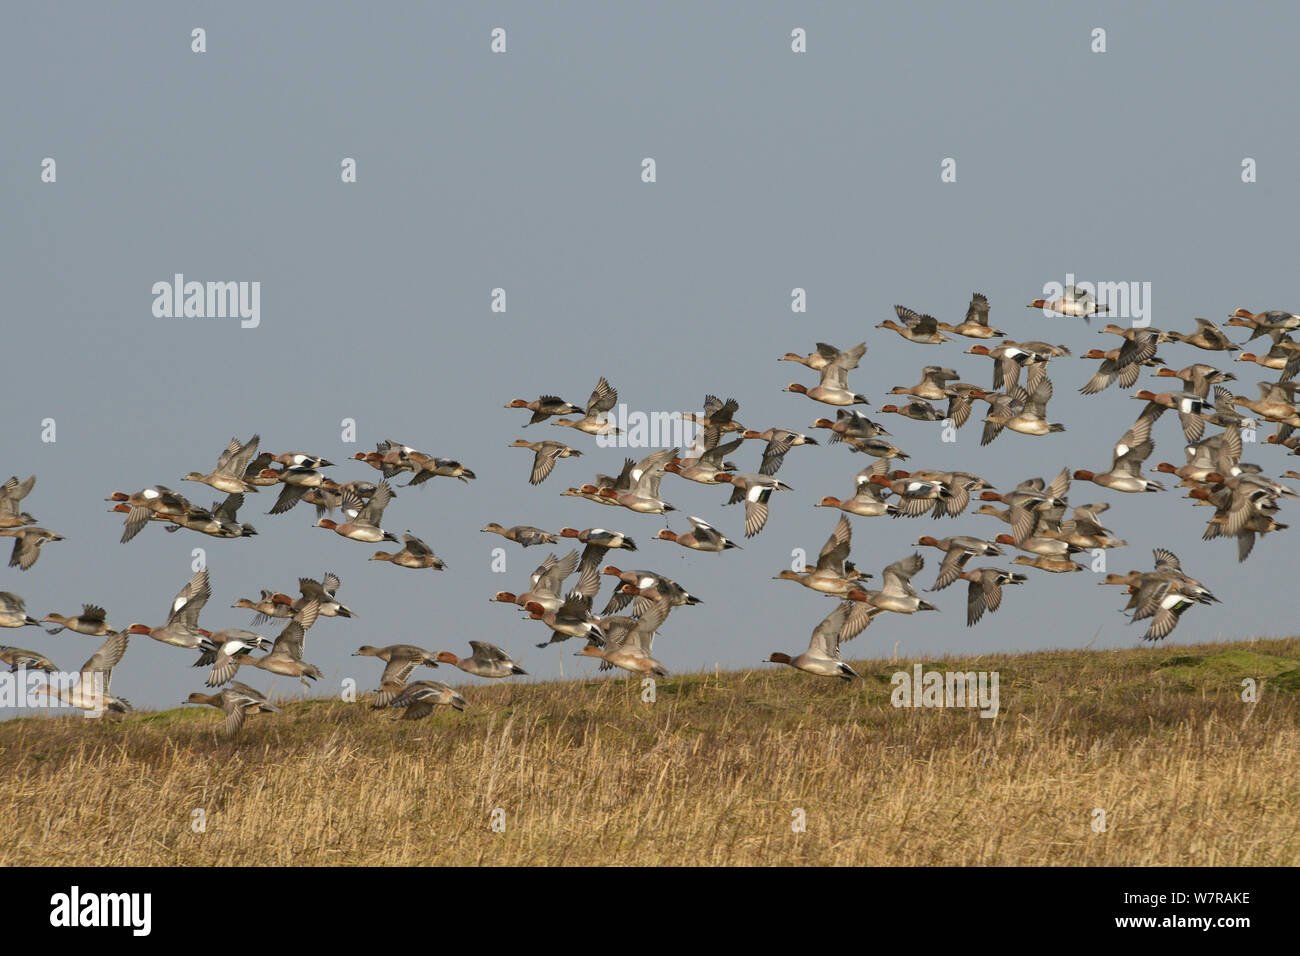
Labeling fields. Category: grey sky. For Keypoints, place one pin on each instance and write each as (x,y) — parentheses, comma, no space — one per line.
(522,171)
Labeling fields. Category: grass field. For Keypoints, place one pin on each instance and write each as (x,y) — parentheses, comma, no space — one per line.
(713,772)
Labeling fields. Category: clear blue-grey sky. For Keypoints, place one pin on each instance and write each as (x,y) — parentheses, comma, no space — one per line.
(522,171)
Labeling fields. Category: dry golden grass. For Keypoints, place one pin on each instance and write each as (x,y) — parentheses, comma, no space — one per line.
(710,774)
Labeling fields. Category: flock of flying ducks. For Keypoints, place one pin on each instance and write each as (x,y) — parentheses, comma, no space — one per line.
(1039,521)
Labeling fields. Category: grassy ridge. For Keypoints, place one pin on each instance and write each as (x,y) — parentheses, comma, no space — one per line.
(710,773)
